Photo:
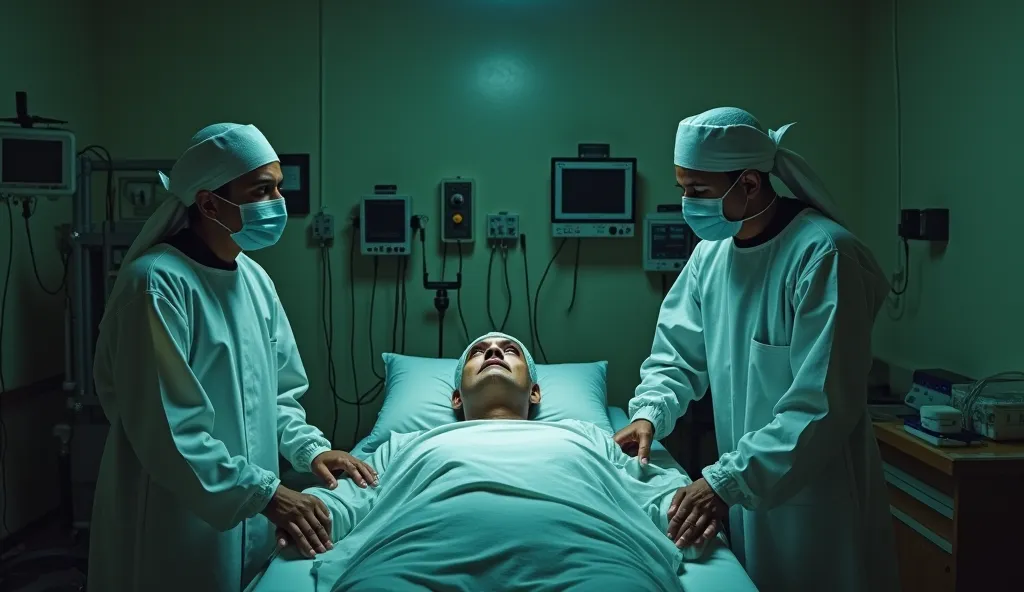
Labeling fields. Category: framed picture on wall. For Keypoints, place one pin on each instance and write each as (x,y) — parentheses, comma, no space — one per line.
(295,186)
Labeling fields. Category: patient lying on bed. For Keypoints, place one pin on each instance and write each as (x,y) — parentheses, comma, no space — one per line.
(493,502)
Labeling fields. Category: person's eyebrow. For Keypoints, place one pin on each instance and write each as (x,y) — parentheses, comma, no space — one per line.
(508,343)
(266,179)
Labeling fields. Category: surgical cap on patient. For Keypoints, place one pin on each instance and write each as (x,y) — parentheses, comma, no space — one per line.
(729,139)
(495,335)
(218,154)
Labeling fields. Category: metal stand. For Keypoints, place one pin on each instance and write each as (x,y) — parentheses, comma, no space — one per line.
(441,290)
(93,268)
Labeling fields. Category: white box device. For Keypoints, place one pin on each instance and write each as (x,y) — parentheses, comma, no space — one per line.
(942,419)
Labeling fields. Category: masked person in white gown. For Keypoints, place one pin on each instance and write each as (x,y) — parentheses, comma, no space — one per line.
(774,312)
(198,373)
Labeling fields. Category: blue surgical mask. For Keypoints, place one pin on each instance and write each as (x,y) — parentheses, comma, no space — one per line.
(706,216)
(263,223)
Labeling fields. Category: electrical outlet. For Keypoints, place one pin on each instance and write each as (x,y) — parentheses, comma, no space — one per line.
(140,195)
(503,227)
(323,228)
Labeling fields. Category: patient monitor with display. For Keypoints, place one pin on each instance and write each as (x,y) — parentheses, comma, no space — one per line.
(593,197)
(384,225)
(37,161)
(668,241)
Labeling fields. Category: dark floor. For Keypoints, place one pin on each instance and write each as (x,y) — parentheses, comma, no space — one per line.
(47,559)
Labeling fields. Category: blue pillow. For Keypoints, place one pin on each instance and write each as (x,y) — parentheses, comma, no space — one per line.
(418,396)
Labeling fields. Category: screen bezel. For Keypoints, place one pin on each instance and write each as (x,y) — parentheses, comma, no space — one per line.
(407,202)
(626,165)
(661,218)
(68,182)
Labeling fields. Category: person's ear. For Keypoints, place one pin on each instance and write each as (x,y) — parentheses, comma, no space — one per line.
(456,400)
(206,203)
(535,394)
(751,182)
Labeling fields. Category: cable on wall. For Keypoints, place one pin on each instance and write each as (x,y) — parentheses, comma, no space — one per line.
(903,268)
(536,300)
(3,382)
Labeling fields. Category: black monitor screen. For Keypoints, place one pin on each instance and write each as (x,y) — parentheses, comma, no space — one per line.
(594,191)
(385,221)
(33,161)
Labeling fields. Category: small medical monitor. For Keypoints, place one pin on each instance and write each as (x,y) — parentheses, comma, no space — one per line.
(38,162)
(668,242)
(593,197)
(385,225)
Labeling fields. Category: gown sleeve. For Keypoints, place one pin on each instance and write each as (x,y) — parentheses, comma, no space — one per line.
(349,503)
(830,356)
(168,418)
(676,371)
(299,442)
(650,486)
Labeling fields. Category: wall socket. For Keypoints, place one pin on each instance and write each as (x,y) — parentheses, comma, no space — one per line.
(503,227)
(323,228)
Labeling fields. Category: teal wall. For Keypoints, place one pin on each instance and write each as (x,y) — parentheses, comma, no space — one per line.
(410,92)
(961,94)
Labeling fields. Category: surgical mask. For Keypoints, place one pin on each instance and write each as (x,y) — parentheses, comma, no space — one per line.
(706,216)
(263,223)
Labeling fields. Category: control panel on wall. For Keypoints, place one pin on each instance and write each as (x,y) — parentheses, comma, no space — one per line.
(457,208)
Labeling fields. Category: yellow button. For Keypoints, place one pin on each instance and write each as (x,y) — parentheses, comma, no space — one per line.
(457,218)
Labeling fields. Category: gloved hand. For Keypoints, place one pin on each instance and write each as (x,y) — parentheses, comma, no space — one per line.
(327,463)
(301,517)
(636,438)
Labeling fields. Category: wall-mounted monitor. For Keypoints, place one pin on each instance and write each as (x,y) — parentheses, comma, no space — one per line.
(37,161)
(593,197)
(385,225)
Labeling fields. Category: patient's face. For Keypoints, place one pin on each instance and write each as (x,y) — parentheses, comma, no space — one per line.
(495,372)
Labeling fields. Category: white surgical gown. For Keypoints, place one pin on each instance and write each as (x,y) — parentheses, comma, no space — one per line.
(197,371)
(503,505)
(782,333)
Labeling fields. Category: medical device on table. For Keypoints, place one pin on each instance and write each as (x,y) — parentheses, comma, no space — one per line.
(384,223)
(668,240)
(993,406)
(593,197)
(933,387)
(36,161)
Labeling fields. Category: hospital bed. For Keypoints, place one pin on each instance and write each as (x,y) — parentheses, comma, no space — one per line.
(718,571)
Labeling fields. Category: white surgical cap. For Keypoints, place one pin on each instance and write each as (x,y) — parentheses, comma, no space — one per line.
(728,139)
(495,335)
(217,155)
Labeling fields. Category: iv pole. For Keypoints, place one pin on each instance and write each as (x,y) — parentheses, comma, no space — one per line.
(440,288)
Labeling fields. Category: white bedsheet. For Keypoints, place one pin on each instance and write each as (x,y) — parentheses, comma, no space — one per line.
(717,570)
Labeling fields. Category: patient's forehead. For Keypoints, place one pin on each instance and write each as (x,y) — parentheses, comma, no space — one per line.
(499,342)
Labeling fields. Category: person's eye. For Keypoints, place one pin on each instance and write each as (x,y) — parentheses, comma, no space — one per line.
(512,351)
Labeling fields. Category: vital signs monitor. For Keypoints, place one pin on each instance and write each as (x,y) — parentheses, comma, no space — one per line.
(385,225)
(593,197)
(37,161)
(668,242)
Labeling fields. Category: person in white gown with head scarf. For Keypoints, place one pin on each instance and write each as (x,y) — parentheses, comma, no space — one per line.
(774,312)
(198,373)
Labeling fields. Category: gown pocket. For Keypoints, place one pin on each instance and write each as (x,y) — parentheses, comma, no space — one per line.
(769,378)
